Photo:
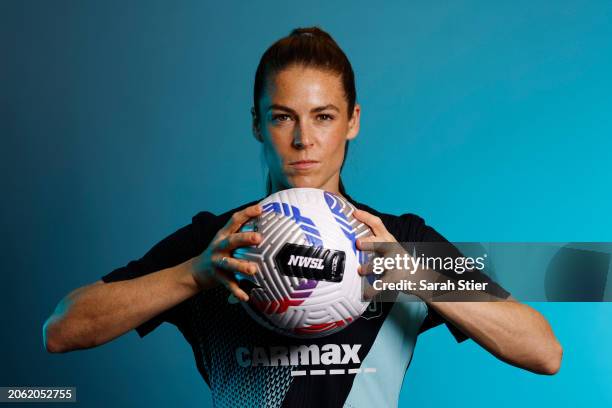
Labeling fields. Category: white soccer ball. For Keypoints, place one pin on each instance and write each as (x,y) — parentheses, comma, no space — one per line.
(307,283)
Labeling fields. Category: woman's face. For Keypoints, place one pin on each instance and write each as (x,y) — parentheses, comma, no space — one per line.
(304,125)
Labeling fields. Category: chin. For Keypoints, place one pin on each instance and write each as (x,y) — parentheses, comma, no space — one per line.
(304,183)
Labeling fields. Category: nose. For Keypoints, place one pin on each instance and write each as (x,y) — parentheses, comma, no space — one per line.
(301,137)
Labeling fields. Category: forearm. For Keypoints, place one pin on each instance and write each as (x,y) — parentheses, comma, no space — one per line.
(513,332)
(97,313)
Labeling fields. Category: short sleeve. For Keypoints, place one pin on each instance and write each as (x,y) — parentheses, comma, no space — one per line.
(178,247)
(415,230)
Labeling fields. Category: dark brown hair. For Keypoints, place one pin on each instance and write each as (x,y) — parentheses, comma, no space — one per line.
(309,47)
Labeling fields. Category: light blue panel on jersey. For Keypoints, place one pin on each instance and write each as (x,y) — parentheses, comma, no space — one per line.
(390,355)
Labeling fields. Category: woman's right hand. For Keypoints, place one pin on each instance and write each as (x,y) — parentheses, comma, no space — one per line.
(216,264)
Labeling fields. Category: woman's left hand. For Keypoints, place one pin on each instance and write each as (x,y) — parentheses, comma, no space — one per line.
(384,245)
(381,242)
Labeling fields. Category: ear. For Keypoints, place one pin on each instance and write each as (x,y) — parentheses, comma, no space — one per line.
(354,123)
(255,126)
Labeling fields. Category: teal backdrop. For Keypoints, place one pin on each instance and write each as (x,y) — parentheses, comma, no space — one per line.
(121,120)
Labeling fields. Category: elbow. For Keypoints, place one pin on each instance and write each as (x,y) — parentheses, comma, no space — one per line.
(64,335)
(61,335)
(70,327)
(551,364)
(52,339)
(539,360)
(54,348)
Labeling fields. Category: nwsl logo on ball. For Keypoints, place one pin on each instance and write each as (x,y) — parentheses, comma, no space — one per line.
(313,263)
(306,262)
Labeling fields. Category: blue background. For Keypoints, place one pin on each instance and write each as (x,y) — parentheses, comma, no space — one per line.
(121,120)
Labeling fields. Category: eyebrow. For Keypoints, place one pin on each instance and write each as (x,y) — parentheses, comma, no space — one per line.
(314,110)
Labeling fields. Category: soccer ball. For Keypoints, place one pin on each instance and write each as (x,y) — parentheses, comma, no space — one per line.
(307,283)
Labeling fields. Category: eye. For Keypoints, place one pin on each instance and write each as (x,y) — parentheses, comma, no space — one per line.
(281,117)
(325,117)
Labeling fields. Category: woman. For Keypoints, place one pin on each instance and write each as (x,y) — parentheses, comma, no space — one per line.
(304,115)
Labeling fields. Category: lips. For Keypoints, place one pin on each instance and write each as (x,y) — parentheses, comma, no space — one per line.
(303,164)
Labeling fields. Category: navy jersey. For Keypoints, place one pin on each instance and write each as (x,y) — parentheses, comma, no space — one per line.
(245,364)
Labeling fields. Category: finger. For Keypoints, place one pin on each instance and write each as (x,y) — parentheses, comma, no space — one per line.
(372,221)
(369,268)
(238,239)
(368,292)
(362,243)
(241,239)
(230,284)
(227,263)
(364,270)
(387,247)
(236,291)
(373,246)
(240,217)
(372,238)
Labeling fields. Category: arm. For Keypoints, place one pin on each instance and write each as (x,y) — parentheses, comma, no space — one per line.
(95,314)
(513,332)
(98,313)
